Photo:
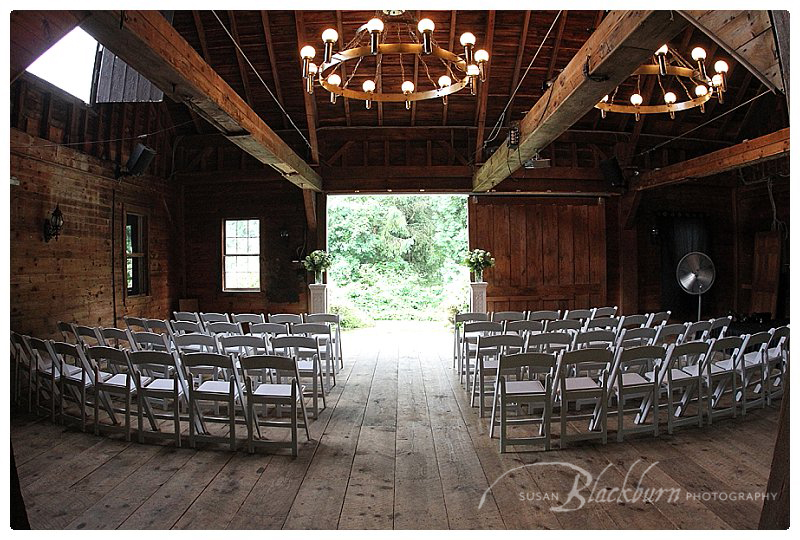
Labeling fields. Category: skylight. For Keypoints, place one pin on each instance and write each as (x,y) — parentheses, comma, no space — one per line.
(69,64)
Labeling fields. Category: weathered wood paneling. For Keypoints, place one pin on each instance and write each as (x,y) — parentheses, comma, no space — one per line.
(550,252)
(71,279)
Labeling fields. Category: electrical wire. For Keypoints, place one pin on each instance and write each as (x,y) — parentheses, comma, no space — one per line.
(78,143)
(673,139)
(275,99)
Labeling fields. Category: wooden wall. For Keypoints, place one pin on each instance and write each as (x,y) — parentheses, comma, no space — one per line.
(79,277)
(550,252)
(279,206)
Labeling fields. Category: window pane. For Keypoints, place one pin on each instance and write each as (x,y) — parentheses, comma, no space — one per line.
(253,228)
(242,249)
(252,246)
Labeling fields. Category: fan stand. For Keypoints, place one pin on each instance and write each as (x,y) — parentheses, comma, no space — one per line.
(699,303)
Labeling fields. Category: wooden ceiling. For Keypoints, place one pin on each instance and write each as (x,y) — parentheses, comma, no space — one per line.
(271,40)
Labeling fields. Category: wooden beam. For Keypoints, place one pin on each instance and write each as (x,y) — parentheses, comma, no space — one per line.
(310,205)
(523,38)
(764,148)
(623,41)
(450,44)
(416,82)
(273,63)
(480,113)
(723,127)
(308,99)
(557,45)
(201,35)
(343,65)
(780,29)
(148,43)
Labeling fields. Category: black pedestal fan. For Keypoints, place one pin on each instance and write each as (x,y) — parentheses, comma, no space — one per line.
(695,275)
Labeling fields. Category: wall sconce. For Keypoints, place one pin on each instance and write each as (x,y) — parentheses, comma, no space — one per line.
(53,225)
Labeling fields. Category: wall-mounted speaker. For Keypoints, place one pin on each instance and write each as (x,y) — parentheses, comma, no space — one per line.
(139,160)
(612,172)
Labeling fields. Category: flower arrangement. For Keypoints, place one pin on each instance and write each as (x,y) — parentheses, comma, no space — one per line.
(477,260)
(317,261)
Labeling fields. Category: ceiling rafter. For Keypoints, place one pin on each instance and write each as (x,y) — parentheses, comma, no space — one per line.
(450,44)
(415,81)
(273,64)
(343,66)
(480,113)
(523,38)
(248,94)
(748,78)
(557,45)
(310,103)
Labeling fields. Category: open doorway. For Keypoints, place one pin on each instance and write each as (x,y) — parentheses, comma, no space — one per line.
(397,257)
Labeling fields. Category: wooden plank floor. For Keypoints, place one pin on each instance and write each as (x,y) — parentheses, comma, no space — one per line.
(397,447)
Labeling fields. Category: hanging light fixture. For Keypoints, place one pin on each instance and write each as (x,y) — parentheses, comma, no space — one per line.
(679,75)
(377,37)
(53,225)
(312,71)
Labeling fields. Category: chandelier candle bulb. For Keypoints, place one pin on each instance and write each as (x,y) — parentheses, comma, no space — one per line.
(721,67)
(481,56)
(307,53)
(312,71)
(334,80)
(661,59)
(426,27)
(636,100)
(407,87)
(700,91)
(699,56)
(329,37)
(369,87)
(670,98)
(468,42)
(375,27)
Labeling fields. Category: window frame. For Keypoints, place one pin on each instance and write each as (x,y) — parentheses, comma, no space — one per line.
(224,255)
(143,256)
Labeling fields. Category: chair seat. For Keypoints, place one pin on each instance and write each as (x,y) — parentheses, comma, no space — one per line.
(77,376)
(677,375)
(68,369)
(524,387)
(490,365)
(715,368)
(222,388)
(305,367)
(581,383)
(774,354)
(276,390)
(163,385)
(632,379)
(752,358)
(118,380)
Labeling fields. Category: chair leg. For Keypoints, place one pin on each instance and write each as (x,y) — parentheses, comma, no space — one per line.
(232,415)
(140,406)
(314,396)
(96,410)
(548,413)
(564,407)
(294,428)
(503,424)
(494,411)
(128,416)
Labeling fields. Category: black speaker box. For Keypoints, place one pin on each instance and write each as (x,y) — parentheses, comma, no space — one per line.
(612,172)
(139,160)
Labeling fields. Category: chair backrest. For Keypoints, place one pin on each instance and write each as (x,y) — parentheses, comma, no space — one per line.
(564,325)
(544,315)
(757,342)
(578,314)
(697,331)
(20,348)
(533,362)
(719,326)
(42,355)
(186,327)
(297,346)
(194,342)
(118,338)
(549,342)
(670,333)
(484,327)
(206,359)
(471,316)
(73,354)
(524,327)
(214,317)
(636,337)
(657,319)
(727,348)
(243,345)
(117,358)
(330,318)
(135,324)
(214,328)
(268,328)
(150,341)
(148,360)
(187,316)
(610,311)
(634,321)
(609,323)
(310,329)
(249,318)
(158,326)
(67,332)
(683,355)
(500,316)
(639,358)
(778,334)
(266,361)
(290,318)
(595,339)
(88,335)
(583,360)
(493,345)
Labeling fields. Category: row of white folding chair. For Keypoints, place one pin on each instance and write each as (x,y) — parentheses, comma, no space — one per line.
(56,372)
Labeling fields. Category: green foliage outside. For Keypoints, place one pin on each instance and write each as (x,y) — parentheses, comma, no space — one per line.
(397,257)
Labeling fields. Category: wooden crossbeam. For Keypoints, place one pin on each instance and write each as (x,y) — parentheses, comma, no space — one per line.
(620,44)
(308,100)
(764,148)
(148,43)
(480,113)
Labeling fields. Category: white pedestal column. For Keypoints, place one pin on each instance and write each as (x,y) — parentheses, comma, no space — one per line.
(318,300)
(477,299)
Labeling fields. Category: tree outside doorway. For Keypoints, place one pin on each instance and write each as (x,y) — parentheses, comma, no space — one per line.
(397,257)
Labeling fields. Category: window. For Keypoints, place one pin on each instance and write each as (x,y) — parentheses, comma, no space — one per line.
(69,64)
(136,274)
(241,250)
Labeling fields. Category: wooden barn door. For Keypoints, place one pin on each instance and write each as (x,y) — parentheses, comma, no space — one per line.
(766,271)
(550,252)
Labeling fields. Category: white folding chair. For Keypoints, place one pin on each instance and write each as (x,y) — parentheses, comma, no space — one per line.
(87,336)
(751,370)
(186,327)
(696,331)
(582,315)
(657,319)
(719,327)
(67,332)
(305,352)
(629,322)
(135,324)
(610,311)
(549,342)
(228,391)
(583,376)
(719,375)
(544,315)
(324,335)
(23,363)
(668,334)
(469,340)
(487,356)
(777,363)
(277,394)
(504,316)
(565,325)
(47,373)
(636,337)
(595,339)
(335,322)
(524,329)
(249,318)
(187,316)
(224,329)
(527,389)
(628,381)
(118,338)
(285,318)
(458,337)
(214,317)
(268,331)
